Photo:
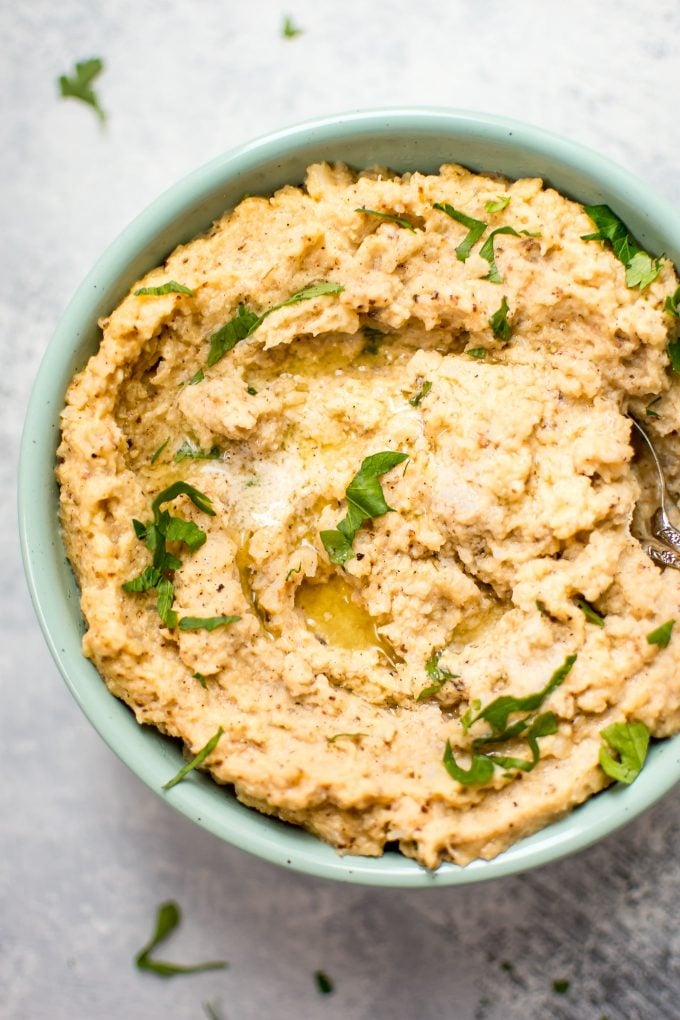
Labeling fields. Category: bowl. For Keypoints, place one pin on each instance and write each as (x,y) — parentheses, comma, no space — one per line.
(404,139)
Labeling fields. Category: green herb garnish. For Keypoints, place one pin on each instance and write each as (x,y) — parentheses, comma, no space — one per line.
(211,1011)
(499,710)
(641,268)
(630,741)
(195,761)
(388,216)
(188,450)
(197,377)
(541,606)
(477,352)
(498,204)
(156,454)
(171,287)
(591,614)
(290,30)
(246,321)
(251,391)
(346,736)
(662,635)
(168,917)
(206,622)
(373,338)
(437,674)
(468,715)
(672,303)
(79,86)
(649,410)
(479,773)
(560,986)
(201,679)
(416,400)
(501,328)
(487,252)
(673,350)
(293,570)
(323,982)
(365,500)
(475,229)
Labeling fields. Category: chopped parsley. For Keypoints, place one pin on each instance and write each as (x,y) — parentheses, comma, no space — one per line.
(641,268)
(373,339)
(197,377)
(542,608)
(591,614)
(662,635)
(416,400)
(206,622)
(79,85)
(365,500)
(477,352)
(649,410)
(345,736)
(560,986)
(188,450)
(156,454)
(437,674)
(155,534)
(478,774)
(673,350)
(498,711)
(500,326)
(323,982)
(246,321)
(487,252)
(289,30)
(293,570)
(201,679)
(197,760)
(630,741)
(168,917)
(498,204)
(672,303)
(251,391)
(388,216)
(475,229)
(171,287)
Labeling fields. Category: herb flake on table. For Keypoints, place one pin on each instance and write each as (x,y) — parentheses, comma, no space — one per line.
(487,252)
(417,399)
(439,675)
(641,268)
(206,622)
(365,501)
(197,760)
(662,635)
(630,741)
(591,614)
(246,321)
(497,204)
(672,304)
(388,216)
(168,917)
(500,325)
(323,982)
(289,30)
(79,85)
(560,986)
(475,229)
(171,287)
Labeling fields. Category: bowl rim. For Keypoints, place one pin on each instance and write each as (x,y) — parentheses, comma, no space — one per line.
(295,849)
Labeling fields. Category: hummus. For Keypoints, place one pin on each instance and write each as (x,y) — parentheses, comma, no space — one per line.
(340,684)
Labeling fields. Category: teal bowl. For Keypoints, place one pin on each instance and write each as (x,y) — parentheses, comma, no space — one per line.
(404,139)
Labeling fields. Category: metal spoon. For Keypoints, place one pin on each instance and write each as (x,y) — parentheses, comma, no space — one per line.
(663,546)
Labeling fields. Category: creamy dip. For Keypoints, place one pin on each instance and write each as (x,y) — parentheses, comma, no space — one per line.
(340,684)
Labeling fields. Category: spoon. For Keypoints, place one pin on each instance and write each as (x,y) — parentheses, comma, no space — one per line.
(663,547)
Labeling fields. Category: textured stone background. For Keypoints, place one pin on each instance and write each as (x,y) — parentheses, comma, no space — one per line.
(87,851)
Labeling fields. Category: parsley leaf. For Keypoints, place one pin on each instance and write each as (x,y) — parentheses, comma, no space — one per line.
(662,635)
(498,205)
(591,614)
(498,711)
(437,674)
(187,449)
(475,229)
(200,501)
(251,391)
(630,741)
(673,350)
(195,761)
(158,452)
(416,400)
(479,773)
(487,252)
(641,268)
(197,377)
(502,329)
(560,986)
(388,216)
(79,86)
(171,287)
(168,918)
(323,982)
(649,410)
(289,30)
(672,304)
(477,352)
(206,622)
(201,679)
(365,499)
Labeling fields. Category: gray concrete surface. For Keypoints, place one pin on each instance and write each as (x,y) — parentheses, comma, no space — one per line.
(88,852)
